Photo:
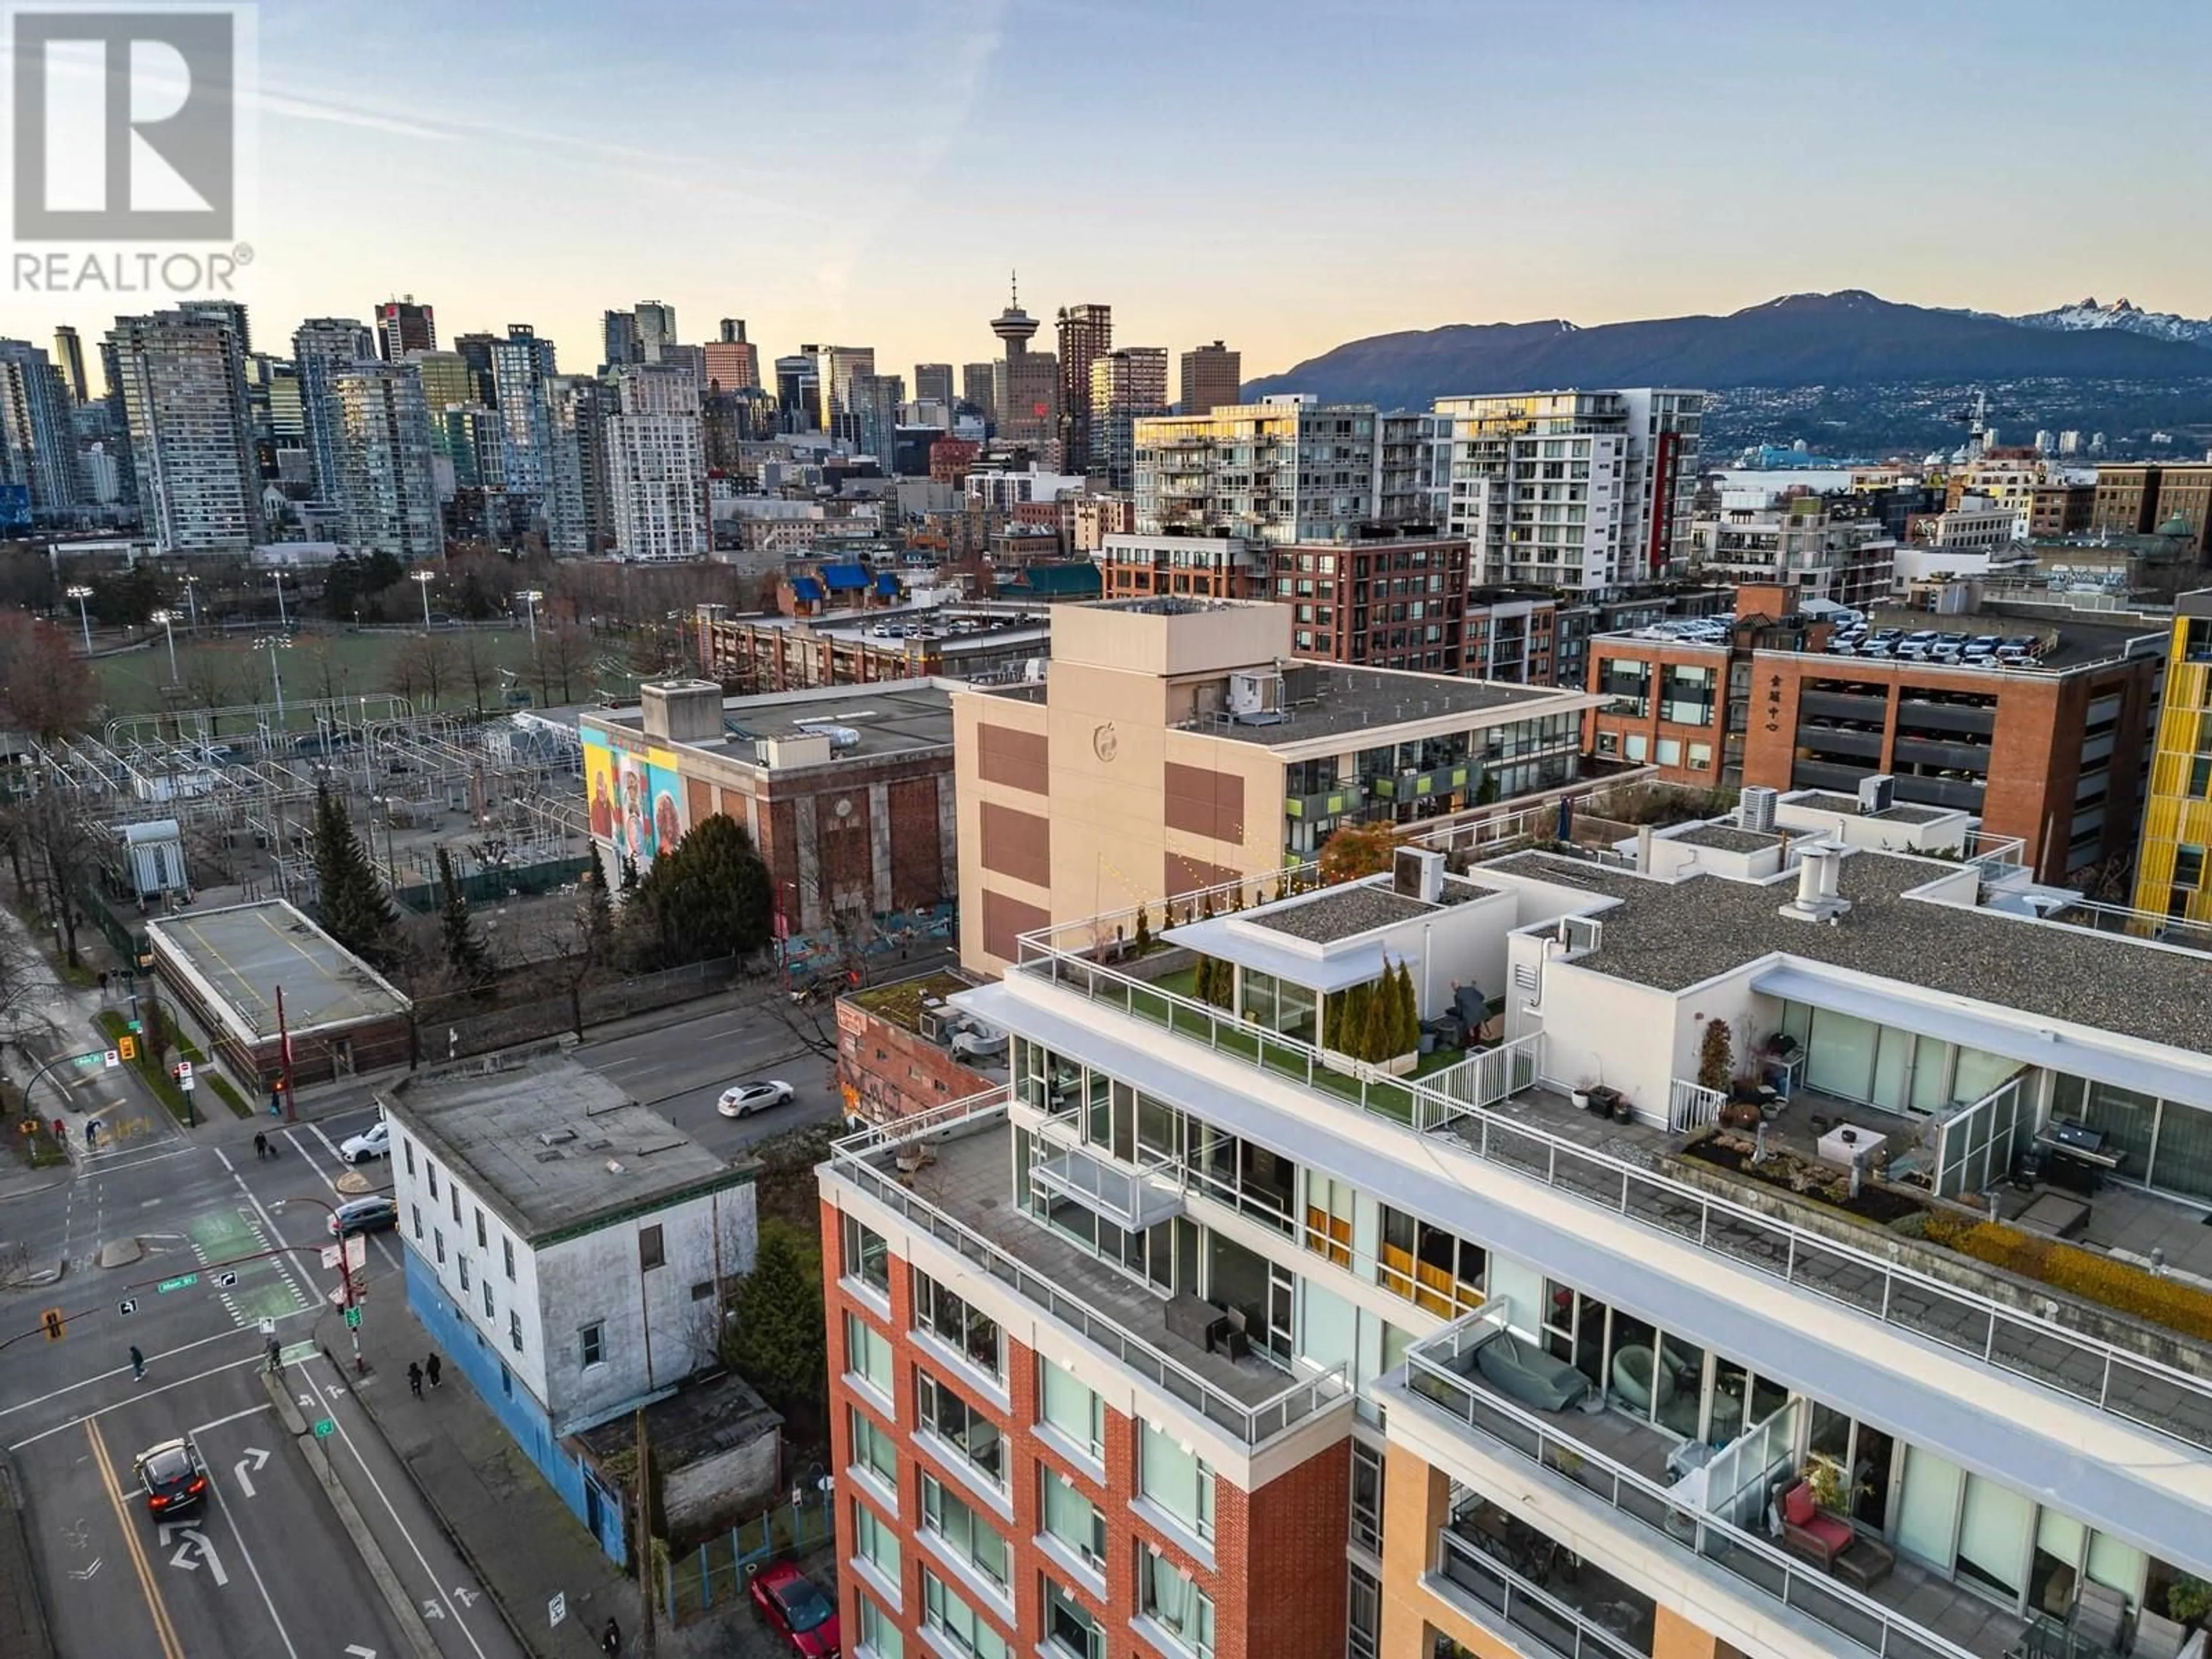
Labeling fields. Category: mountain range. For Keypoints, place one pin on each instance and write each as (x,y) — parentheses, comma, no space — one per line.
(1845,339)
(2089,314)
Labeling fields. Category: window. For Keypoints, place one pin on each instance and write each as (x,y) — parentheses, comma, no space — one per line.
(514,1331)
(415,1212)
(868,1354)
(1069,1626)
(872,1451)
(1176,1481)
(407,1152)
(507,1249)
(1074,1410)
(965,1533)
(950,1319)
(650,1253)
(2200,776)
(962,1427)
(1367,1497)
(1669,751)
(462,1262)
(2188,866)
(489,1312)
(433,1179)
(875,1542)
(1635,746)
(1074,1520)
(482,1243)
(1365,1626)
(703,1290)
(438,1245)
(868,1258)
(878,1636)
(593,1340)
(1701,757)
(1686,694)
(453,1193)
(943,1611)
(1166,1595)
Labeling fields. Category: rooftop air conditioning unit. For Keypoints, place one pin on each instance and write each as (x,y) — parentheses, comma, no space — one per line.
(1755,809)
(937,1024)
(1418,872)
(1255,697)
(1877,794)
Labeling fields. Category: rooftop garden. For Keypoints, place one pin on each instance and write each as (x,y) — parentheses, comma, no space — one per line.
(902,1002)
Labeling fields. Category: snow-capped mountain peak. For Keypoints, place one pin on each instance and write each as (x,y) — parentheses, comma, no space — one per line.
(2122,314)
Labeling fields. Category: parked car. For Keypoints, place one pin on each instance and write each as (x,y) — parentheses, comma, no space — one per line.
(797,1611)
(364,1215)
(744,1099)
(173,1476)
(375,1141)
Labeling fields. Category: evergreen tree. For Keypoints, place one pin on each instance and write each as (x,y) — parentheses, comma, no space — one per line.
(774,1336)
(599,914)
(467,953)
(706,897)
(1406,1035)
(355,909)
(1143,930)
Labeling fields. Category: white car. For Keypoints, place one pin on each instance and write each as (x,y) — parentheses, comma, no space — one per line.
(375,1142)
(744,1099)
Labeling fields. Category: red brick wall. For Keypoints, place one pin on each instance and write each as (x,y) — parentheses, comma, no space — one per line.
(1278,1586)
(891,1072)
(917,842)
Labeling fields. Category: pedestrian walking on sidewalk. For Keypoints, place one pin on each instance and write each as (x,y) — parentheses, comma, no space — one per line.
(414,1379)
(610,1639)
(137,1365)
(431,1367)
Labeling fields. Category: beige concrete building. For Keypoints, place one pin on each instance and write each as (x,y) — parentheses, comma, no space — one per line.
(1177,744)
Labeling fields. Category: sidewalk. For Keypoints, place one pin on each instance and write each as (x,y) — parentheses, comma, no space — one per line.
(23,1633)
(516,1535)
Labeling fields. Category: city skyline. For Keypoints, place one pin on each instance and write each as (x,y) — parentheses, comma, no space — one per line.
(1512,218)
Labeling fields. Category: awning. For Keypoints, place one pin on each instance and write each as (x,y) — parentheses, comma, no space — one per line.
(2048,1043)
(1341,968)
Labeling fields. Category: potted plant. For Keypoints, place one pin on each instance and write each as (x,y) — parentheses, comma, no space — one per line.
(1715,1055)
(1580,1094)
(2188,1599)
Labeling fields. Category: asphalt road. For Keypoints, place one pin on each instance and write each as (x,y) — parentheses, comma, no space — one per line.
(265,1571)
(680,1070)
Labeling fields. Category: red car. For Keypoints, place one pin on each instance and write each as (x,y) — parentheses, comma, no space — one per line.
(807,1620)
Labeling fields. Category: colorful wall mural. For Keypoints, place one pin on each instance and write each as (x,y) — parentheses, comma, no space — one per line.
(636,801)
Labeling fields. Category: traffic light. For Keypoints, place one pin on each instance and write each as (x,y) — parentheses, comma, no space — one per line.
(126,1046)
(55,1324)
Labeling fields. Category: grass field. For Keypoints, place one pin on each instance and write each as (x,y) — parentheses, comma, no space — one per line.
(220,672)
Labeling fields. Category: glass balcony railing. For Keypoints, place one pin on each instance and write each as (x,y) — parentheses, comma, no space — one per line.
(1525,1611)
(1441,1371)
(2093,1373)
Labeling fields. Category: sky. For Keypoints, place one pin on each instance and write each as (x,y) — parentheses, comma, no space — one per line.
(1282,176)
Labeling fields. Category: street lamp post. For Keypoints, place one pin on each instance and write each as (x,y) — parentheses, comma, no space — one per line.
(530,596)
(423,579)
(283,621)
(192,602)
(346,1274)
(167,619)
(272,643)
(80,593)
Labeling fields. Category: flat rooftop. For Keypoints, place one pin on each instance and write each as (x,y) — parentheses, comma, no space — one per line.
(1825,800)
(902,1001)
(1351,700)
(242,955)
(1722,838)
(1342,913)
(1672,935)
(891,717)
(606,1156)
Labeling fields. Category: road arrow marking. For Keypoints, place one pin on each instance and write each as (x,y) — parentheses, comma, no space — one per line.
(195,1549)
(465,1596)
(80,1574)
(255,1458)
(432,1610)
(357,1651)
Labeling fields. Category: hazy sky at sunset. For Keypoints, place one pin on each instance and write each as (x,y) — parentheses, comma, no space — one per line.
(1286,176)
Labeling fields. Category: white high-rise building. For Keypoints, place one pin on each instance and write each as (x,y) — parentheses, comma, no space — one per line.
(1587,490)
(657,466)
(1284,470)
(521,364)
(387,488)
(180,378)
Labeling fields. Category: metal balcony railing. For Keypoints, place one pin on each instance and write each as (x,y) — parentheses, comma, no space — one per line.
(858,1158)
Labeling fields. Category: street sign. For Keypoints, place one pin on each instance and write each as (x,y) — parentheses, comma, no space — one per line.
(227,1280)
(557,1608)
(91,1059)
(112,1059)
(324,1428)
(136,1027)
(184,1282)
(353,1319)
(128,1306)
(356,1249)
(329,1255)
(184,1070)
(187,1084)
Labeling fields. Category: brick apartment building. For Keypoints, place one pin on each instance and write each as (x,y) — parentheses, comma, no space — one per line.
(2051,752)
(889,1066)
(2144,498)
(993,1501)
